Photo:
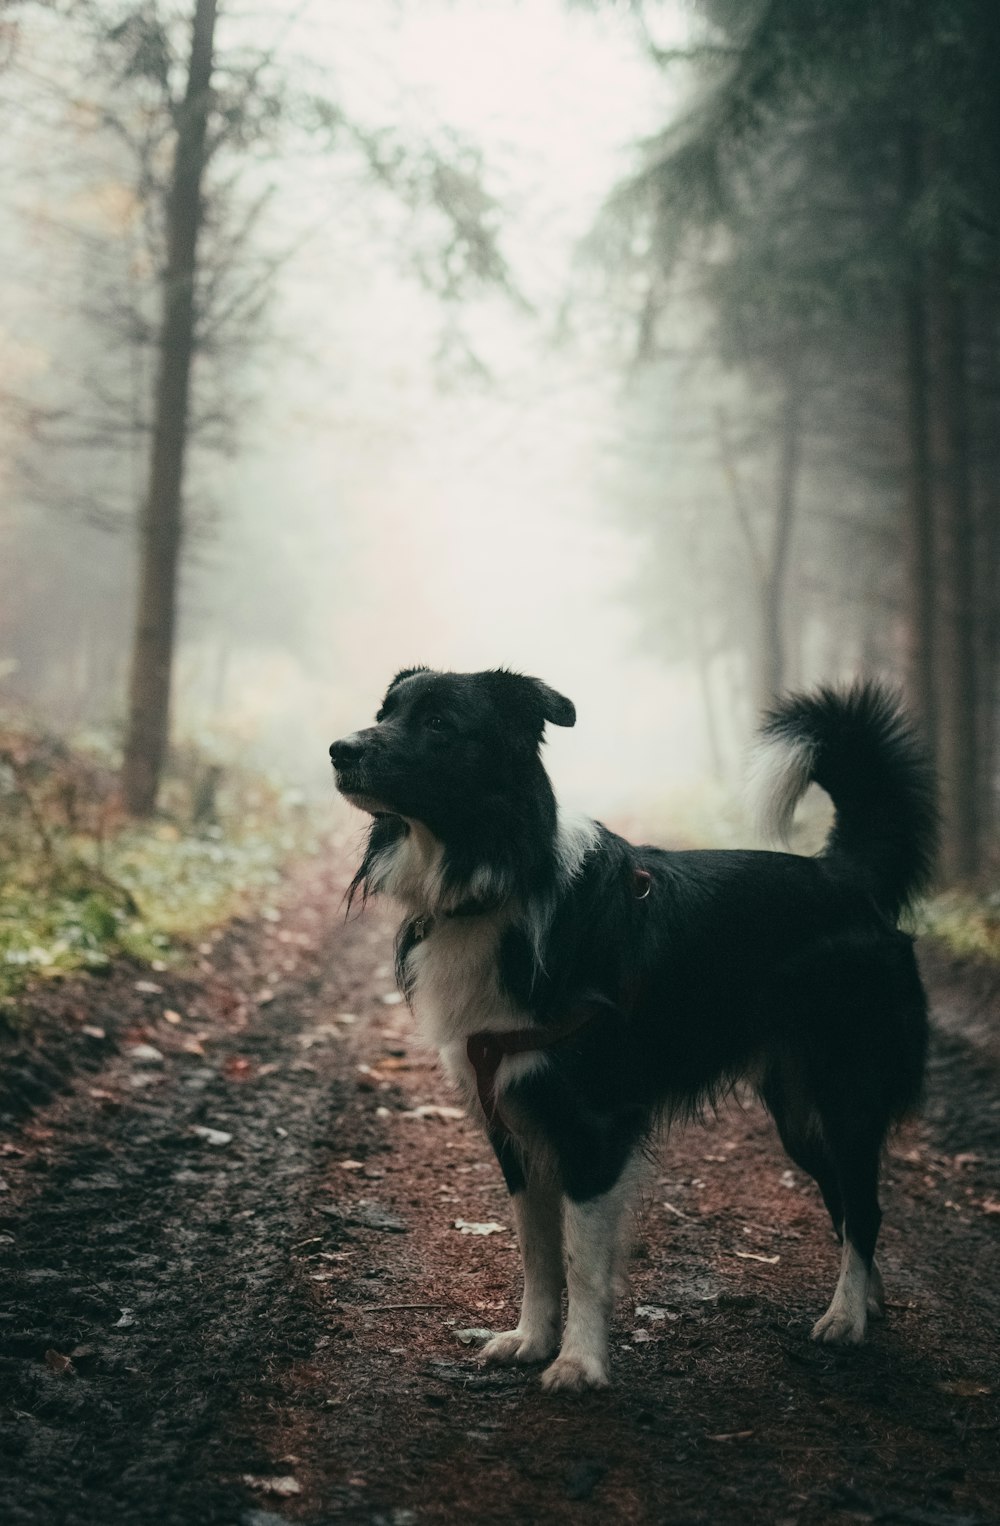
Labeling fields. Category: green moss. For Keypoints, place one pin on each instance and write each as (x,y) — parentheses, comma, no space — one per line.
(967,924)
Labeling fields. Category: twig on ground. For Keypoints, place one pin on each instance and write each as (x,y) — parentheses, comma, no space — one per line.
(368,1308)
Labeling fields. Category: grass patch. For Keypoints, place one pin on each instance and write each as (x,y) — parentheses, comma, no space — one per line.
(967,924)
(82,885)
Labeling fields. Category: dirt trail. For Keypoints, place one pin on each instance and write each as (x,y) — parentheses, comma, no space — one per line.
(262,1321)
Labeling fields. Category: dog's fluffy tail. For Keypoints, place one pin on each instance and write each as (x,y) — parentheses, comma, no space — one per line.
(858,746)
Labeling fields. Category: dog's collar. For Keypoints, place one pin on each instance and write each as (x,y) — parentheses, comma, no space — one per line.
(642,883)
(474,908)
(422,927)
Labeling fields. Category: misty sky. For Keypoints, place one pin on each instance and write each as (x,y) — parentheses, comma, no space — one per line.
(370,517)
(465,528)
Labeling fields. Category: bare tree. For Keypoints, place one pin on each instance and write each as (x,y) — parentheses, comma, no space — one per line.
(161,523)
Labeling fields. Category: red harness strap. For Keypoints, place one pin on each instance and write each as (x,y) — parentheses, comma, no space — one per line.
(487,1049)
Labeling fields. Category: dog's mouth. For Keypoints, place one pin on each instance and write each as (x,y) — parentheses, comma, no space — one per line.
(356,792)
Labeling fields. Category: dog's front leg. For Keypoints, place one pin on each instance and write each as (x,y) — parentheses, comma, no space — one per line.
(592,1234)
(536,1206)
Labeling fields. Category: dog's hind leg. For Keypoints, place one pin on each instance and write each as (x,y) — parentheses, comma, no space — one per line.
(802,1135)
(536,1202)
(859,1283)
(593,1232)
(786,1098)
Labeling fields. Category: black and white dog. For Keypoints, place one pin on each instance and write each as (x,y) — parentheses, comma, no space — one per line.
(581,990)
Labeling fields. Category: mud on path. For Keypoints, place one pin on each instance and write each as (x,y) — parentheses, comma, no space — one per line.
(261,1322)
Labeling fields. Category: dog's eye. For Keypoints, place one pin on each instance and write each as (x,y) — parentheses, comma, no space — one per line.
(434,723)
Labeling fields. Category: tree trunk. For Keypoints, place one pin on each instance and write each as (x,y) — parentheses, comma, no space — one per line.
(920,618)
(988,564)
(919,539)
(989,666)
(162,516)
(765,650)
(773,590)
(959,688)
(703,656)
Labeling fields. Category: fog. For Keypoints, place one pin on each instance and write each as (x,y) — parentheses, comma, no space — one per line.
(475,386)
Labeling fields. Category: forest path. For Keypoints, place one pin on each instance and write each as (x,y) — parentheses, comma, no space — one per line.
(260,1323)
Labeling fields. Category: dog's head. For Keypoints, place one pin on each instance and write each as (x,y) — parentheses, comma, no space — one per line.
(444,744)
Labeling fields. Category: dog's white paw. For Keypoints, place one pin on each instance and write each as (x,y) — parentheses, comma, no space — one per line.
(838,1327)
(515,1347)
(574,1375)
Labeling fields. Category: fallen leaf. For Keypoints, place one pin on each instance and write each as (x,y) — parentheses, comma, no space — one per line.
(92,1032)
(238,1068)
(730,1436)
(990,1205)
(285,1485)
(148,988)
(143,1078)
(965,1388)
(170,1016)
(145,1054)
(465,1227)
(321,1034)
(749,1255)
(216,1137)
(265,997)
(57,1362)
(126,1320)
(434,1110)
(351,1165)
(469,1337)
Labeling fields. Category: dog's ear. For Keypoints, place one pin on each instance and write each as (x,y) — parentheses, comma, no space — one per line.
(555,706)
(403,673)
(532,702)
(406,673)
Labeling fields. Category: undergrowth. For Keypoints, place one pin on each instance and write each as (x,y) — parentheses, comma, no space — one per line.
(966,923)
(81,885)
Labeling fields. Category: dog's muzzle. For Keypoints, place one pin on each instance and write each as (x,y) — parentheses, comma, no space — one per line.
(349,757)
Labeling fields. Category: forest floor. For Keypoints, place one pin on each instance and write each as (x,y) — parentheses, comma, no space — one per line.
(239,1252)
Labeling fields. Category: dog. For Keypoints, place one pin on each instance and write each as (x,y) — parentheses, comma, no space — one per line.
(583,991)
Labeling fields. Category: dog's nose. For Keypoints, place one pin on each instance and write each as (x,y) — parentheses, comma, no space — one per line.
(347,751)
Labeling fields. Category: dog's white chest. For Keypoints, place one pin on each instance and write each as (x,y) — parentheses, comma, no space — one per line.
(455,992)
(454,982)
